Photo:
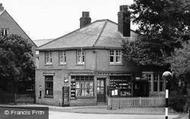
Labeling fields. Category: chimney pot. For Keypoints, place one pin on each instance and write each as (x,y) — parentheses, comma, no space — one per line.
(85,14)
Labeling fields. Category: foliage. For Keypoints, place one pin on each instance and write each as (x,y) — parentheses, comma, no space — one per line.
(163,24)
(180,60)
(178,103)
(16,62)
(140,53)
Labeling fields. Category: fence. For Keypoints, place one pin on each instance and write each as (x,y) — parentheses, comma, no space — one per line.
(6,98)
(122,102)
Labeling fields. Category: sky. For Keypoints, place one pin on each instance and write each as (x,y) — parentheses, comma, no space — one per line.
(49,19)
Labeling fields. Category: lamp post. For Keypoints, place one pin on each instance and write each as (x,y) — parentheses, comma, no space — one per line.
(166,76)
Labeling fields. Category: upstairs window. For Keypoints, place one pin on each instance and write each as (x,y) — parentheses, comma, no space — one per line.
(48,58)
(80,57)
(62,57)
(4,31)
(115,57)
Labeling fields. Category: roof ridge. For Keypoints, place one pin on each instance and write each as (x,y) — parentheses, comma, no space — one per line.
(100,33)
(2,12)
(66,34)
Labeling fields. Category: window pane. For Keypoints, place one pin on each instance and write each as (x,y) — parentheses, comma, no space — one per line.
(155,82)
(48,57)
(161,86)
(80,57)
(62,57)
(111,59)
(112,52)
(78,92)
(84,85)
(49,85)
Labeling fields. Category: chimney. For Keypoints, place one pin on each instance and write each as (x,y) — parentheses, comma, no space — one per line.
(85,19)
(124,21)
(1,7)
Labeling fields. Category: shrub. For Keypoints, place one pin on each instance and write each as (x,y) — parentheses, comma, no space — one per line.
(179,104)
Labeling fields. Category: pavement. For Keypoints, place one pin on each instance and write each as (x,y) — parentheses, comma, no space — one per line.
(102,109)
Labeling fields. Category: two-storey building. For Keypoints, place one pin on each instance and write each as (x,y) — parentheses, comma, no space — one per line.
(86,66)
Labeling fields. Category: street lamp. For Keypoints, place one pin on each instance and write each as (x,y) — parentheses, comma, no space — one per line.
(166,76)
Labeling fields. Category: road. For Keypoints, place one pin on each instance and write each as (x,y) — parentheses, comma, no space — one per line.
(69,115)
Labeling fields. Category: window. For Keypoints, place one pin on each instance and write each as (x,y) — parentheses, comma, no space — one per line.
(156,83)
(48,57)
(4,31)
(84,86)
(121,86)
(115,57)
(80,57)
(62,57)
(48,86)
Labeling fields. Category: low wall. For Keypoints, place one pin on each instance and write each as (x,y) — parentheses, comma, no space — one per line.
(123,102)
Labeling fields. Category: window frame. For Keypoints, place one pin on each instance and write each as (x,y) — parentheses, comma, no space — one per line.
(49,89)
(155,78)
(62,56)
(115,55)
(48,58)
(83,80)
(80,54)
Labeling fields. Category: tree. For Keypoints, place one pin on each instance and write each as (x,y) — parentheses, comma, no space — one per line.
(163,24)
(16,62)
(180,62)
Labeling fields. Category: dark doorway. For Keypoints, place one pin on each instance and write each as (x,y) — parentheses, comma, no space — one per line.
(141,88)
(101,92)
(65,96)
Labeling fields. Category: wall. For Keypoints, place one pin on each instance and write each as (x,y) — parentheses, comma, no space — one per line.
(96,60)
(58,82)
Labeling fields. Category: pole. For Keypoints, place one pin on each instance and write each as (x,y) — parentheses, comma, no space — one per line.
(166,98)
(167,76)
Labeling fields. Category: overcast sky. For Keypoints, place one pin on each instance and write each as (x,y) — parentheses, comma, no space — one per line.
(46,19)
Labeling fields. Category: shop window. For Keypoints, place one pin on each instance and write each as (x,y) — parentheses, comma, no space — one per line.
(80,57)
(83,86)
(48,58)
(62,57)
(115,57)
(48,86)
(120,86)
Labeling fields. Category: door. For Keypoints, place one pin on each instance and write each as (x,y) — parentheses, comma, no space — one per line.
(101,92)
(65,96)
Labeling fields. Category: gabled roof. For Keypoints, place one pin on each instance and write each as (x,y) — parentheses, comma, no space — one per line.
(9,22)
(99,34)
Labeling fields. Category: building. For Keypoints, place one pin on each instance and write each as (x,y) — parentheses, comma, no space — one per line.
(40,42)
(85,67)
(9,26)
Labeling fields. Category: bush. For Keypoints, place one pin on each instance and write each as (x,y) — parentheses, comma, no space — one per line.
(179,104)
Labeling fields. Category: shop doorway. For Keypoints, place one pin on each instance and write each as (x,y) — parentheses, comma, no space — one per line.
(101,90)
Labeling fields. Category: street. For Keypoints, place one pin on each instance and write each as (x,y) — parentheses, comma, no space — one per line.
(69,115)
